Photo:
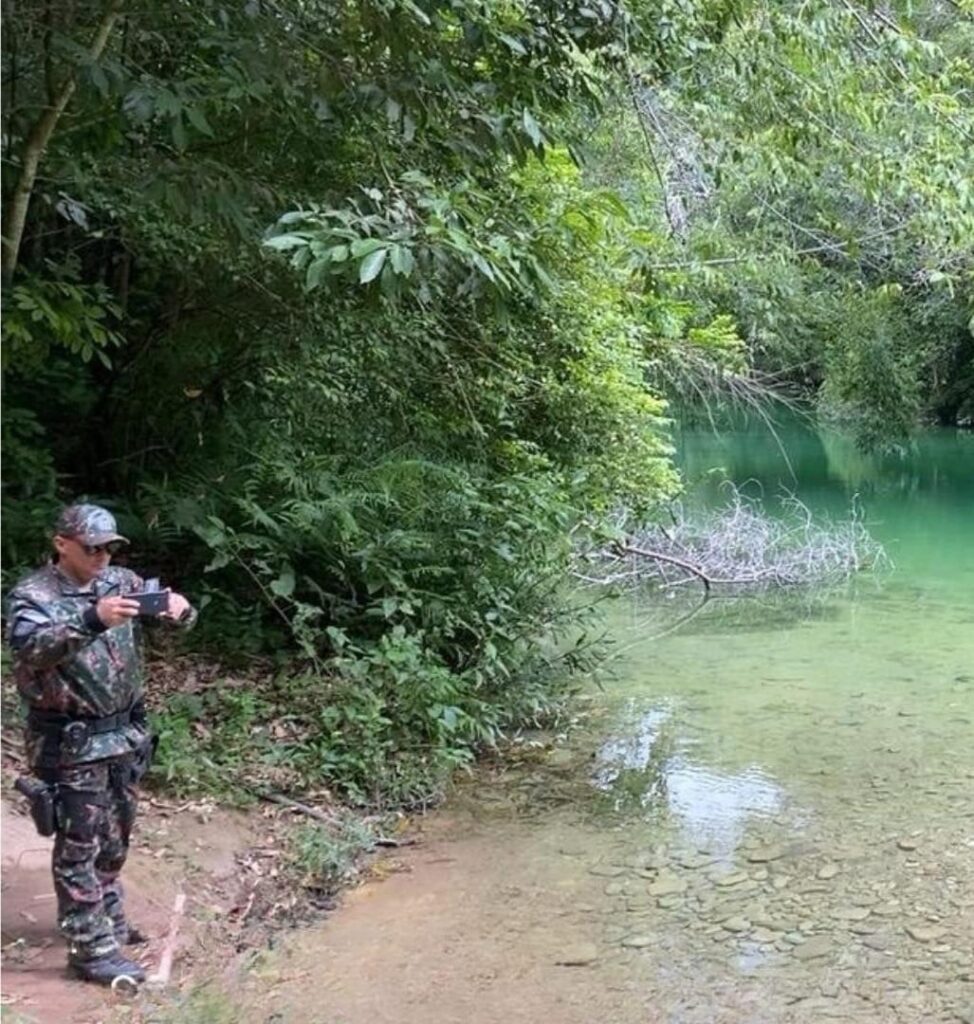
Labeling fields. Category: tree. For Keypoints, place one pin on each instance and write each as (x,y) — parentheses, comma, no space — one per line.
(814,179)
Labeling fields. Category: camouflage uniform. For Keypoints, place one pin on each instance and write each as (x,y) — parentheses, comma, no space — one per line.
(68,666)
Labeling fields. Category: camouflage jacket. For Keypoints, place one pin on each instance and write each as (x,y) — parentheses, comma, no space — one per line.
(66,661)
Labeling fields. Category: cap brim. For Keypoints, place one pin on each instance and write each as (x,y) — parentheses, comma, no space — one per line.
(103,538)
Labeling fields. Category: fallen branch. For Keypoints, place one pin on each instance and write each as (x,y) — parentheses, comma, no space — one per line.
(738,546)
(294,805)
(328,819)
(161,978)
(660,557)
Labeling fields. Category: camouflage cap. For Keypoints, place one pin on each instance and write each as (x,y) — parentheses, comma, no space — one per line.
(90,524)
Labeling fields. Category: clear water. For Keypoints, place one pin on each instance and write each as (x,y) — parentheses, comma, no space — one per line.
(817,696)
(839,727)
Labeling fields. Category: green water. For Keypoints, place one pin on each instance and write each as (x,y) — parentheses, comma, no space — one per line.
(824,693)
(839,727)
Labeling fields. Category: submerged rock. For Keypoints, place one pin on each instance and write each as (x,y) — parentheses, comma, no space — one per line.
(667,885)
(851,913)
(765,854)
(578,956)
(820,945)
(728,880)
(925,932)
(606,870)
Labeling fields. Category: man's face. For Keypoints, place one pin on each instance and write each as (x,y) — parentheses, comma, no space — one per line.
(82,562)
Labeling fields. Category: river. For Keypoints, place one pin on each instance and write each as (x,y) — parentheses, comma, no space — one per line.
(763,817)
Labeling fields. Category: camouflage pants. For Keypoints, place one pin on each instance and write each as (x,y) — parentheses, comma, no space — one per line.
(96,810)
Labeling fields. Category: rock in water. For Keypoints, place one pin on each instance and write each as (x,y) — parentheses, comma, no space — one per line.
(925,932)
(578,956)
(818,946)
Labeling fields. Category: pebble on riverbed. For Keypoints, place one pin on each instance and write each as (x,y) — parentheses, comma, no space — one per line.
(925,933)
(578,956)
(820,945)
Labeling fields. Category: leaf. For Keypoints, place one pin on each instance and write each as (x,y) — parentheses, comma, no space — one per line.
(99,80)
(371,266)
(282,242)
(514,44)
(178,132)
(531,128)
(402,260)
(316,273)
(218,561)
(138,104)
(198,120)
(283,586)
(363,246)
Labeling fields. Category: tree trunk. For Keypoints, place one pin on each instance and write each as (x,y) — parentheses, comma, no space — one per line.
(15,214)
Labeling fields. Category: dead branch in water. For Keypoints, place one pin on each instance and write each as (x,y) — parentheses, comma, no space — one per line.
(738,546)
(658,556)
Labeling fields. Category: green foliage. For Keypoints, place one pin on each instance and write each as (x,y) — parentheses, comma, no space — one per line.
(807,161)
(68,314)
(206,741)
(325,856)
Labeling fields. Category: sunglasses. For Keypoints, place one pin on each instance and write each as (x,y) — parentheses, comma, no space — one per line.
(112,547)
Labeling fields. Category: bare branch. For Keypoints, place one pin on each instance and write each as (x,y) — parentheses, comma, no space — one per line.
(740,547)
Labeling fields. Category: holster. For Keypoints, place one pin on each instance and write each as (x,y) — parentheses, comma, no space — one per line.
(142,758)
(41,798)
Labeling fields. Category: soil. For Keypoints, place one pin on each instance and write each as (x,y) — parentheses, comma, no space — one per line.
(470,922)
(194,848)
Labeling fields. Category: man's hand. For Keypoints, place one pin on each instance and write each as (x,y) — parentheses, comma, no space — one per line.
(178,606)
(115,611)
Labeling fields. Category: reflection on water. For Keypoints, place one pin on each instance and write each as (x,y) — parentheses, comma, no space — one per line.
(641,769)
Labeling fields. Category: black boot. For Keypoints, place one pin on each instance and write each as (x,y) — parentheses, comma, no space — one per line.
(105,969)
(129,935)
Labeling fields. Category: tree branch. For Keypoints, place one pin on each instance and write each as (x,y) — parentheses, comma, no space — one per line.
(15,214)
(660,557)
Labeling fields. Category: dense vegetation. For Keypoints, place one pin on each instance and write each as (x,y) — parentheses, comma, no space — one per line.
(356,311)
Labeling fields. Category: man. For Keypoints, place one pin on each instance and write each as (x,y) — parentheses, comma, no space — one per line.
(76,641)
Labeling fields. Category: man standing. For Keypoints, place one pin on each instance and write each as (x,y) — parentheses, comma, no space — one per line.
(76,638)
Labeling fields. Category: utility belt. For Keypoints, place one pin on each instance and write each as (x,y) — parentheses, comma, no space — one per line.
(72,734)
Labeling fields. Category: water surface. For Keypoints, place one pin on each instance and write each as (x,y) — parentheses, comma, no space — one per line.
(835,731)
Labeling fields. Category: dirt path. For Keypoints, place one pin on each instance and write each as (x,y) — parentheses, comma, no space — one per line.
(191,851)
